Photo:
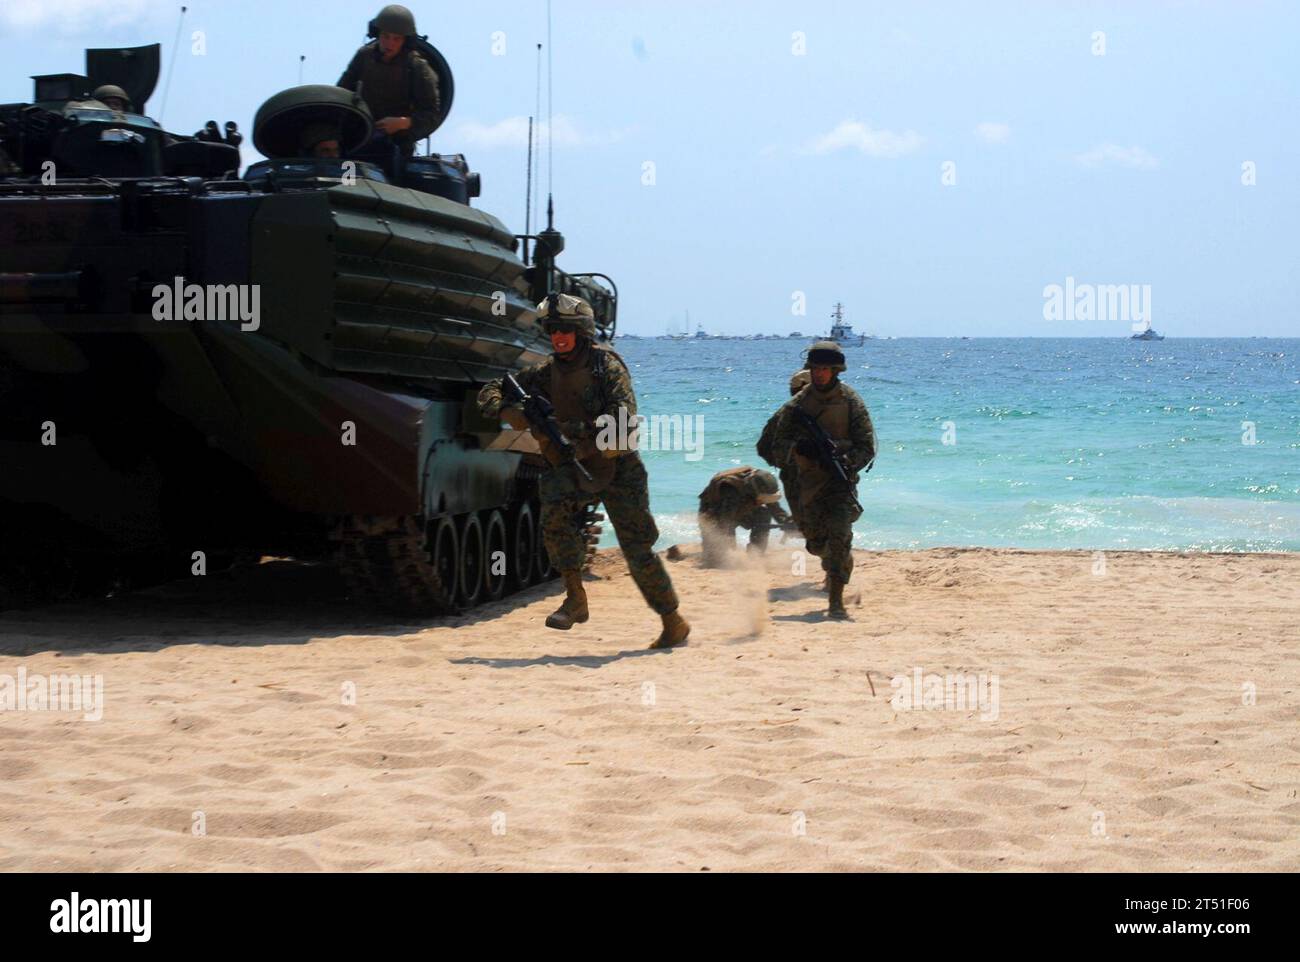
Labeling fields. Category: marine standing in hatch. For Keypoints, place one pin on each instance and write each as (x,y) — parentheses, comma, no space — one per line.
(113,97)
(585,380)
(320,139)
(397,84)
(826,505)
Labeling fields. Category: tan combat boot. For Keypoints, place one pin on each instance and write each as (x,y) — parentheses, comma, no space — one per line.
(835,607)
(676,628)
(573,611)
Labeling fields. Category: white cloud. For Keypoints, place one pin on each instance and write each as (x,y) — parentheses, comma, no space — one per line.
(855,135)
(75,16)
(1134,157)
(513,132)
(993,133)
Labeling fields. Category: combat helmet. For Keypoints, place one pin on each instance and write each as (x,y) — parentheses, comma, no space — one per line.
(828,353)
(799,381)
(106,92)
(567,310)
(394,18)
(763,486)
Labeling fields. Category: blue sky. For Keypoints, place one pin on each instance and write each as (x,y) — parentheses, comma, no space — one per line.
(778,171)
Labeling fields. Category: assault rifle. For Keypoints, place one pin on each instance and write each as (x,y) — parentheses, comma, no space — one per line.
(788,526)
(540,413)
(828,455)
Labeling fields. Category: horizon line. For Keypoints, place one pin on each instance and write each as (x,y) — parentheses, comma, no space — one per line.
(975,337)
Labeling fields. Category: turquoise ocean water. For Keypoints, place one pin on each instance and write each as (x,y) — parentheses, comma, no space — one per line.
(1060,443)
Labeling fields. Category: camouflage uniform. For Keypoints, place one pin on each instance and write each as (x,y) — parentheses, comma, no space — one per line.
(732,500)
(787,473)
(826,514)
(591,382)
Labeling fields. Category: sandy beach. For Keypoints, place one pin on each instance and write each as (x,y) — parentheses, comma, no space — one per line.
(1145,718)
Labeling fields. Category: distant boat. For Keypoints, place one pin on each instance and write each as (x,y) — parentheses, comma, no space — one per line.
(842,331)
(1147,334)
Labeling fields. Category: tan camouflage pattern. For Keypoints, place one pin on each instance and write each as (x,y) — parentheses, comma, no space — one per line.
(627,507)
(729,502)
(625,494)
(827,520)
(788,475)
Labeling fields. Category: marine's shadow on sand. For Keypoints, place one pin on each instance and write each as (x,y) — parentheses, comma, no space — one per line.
(277,603)
(795,592)
(813,617)
(570,661)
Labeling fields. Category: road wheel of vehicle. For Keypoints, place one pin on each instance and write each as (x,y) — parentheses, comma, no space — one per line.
(543,570)
(470,587)
(523,543)
(444,553)
(494,543)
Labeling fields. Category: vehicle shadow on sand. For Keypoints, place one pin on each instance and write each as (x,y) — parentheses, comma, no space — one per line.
(279,602)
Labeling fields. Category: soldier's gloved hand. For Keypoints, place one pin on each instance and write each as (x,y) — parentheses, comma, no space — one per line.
(807,447)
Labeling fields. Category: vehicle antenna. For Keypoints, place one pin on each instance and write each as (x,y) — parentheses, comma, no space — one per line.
(550,151)
(172,66)
(301,58)
(550,115)
(528,191)
(537,112)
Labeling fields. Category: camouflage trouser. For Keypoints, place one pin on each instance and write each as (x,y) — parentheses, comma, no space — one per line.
(718,539)
(827,523)
(790,485)
(627,506)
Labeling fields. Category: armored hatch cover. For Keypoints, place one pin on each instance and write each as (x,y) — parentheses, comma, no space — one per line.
(134,69)
(281,120)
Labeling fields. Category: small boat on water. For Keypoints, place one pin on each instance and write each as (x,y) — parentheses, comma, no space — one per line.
(842,331)
(1148,333)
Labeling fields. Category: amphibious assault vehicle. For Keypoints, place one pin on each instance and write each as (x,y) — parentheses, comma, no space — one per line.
(198,366)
